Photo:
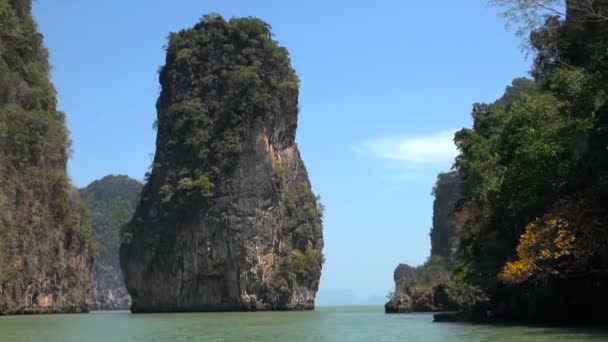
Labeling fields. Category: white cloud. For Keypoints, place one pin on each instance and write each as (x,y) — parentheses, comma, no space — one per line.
(437,148)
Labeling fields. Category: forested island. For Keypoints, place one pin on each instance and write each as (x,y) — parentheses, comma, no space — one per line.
(529,227)
(227,219)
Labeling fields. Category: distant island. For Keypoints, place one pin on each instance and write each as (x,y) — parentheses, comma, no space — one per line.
(345,298)
(111,201)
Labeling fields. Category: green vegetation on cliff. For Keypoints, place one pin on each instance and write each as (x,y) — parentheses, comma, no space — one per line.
(204,119)
(228,189)
(527,221)
(444,232)
(44,227)
(111,202)
(535,173)
(430,286)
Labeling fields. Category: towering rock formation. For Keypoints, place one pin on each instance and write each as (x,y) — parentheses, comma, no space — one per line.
(429,287)
(111,201)
(45,257)
(227,219)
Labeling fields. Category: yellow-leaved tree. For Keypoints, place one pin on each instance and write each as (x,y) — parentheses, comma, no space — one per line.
(571,240)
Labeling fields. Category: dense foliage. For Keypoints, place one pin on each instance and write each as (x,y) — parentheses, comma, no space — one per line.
(37,202)
(216,75)
(33,138)
(31,127)
(111,202)
(535,167)
(435,270)
(221,79)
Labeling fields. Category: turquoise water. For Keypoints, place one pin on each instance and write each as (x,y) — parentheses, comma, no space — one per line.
(325,324)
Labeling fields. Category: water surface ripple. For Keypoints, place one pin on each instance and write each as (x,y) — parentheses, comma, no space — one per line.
(324,324)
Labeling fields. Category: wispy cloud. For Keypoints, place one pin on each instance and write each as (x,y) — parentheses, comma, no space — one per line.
(437,148)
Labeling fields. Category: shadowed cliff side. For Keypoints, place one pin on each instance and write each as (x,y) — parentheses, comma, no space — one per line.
(111,201)
(45,250)
(447,220)
(227,219)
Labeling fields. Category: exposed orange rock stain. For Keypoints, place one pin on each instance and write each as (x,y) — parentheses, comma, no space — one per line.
(46,301)
(267,263)
(278,158)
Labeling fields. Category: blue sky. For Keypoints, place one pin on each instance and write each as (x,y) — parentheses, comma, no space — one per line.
(383,86)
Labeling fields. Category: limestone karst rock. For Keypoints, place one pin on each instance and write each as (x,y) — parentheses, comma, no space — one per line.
(413,294)
(111,202)
(227,219)
(45,250)
(447,220)
(429,287)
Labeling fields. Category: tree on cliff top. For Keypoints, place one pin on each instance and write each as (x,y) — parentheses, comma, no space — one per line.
(529,15)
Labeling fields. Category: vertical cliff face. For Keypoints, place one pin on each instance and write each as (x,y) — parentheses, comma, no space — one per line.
(429,287)
(448,192)
(111,202)
(45,255)
(227,219)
